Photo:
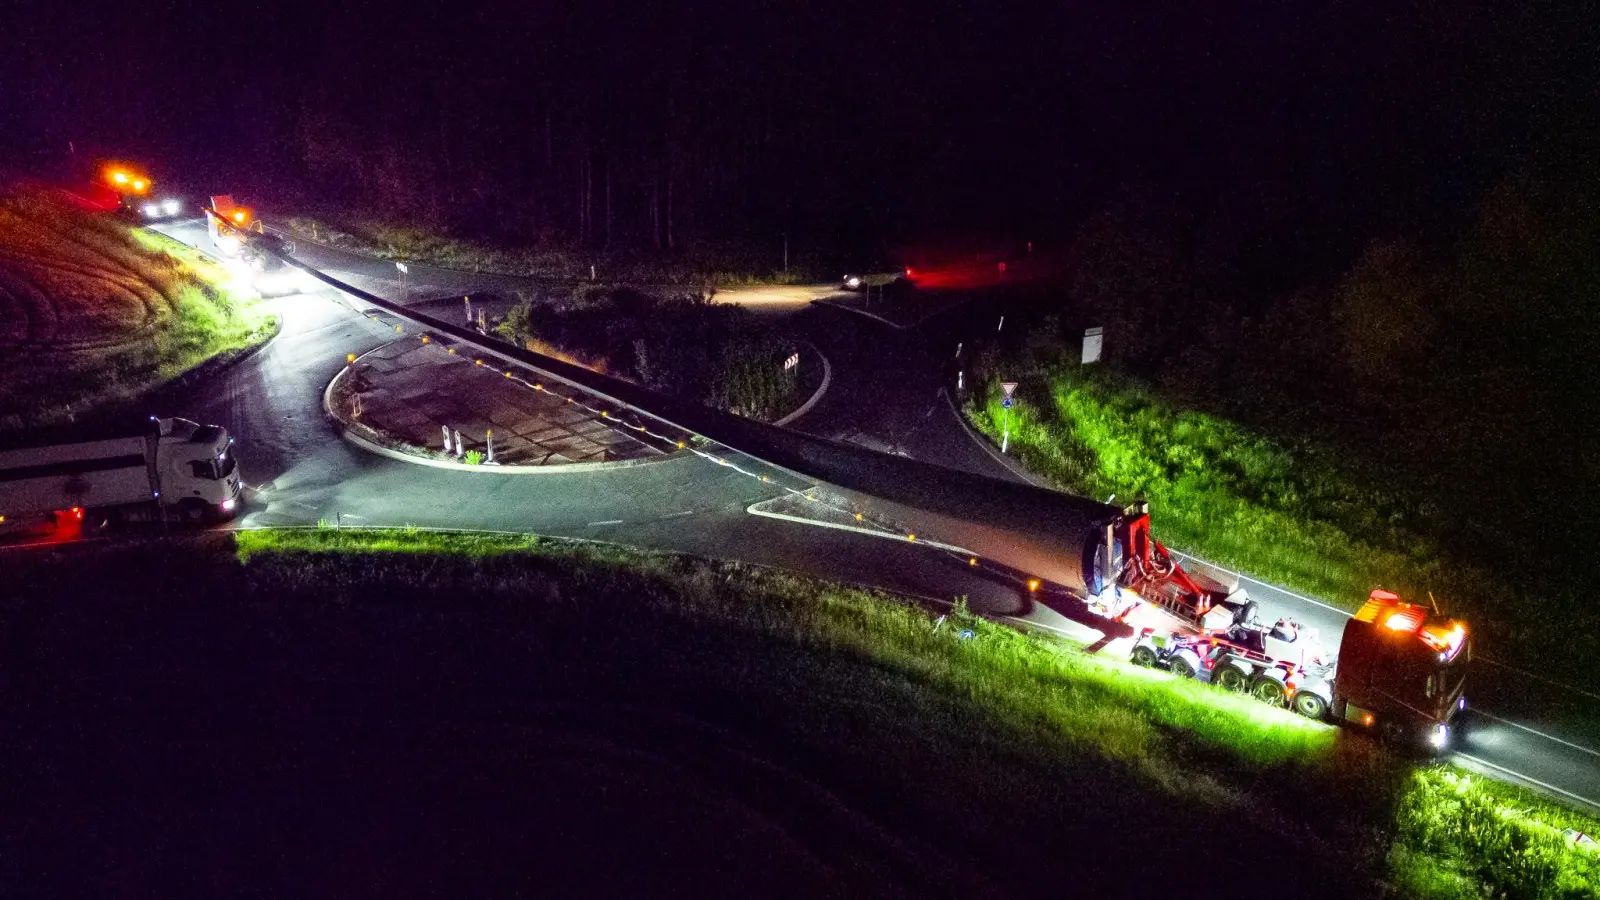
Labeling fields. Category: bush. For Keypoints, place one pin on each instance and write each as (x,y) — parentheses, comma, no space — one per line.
(684,344)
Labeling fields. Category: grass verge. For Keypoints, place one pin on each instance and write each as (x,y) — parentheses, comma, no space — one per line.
(715,266)
(1040,710)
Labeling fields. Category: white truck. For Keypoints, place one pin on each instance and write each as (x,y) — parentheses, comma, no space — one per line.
(174,467)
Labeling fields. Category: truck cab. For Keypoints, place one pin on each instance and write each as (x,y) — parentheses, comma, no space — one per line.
(197,470)
(1402,672)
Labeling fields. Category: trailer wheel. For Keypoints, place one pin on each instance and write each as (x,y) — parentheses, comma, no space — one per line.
(1180,667)
(1229,678)
(1268,690)
(192,511)
(1310,705)
(1143,656)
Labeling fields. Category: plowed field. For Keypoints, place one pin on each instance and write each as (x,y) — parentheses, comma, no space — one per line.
(93,311)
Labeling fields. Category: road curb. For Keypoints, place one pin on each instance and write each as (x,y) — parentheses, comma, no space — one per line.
(347,431)
(827,379)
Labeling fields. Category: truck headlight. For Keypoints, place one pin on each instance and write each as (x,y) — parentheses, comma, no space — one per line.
(1440,738)
(151,210)
(171,207)
(228,504)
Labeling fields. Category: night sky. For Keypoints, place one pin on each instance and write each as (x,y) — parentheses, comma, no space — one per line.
(888,119)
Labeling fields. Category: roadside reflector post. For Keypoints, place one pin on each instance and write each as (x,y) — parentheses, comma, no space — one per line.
(468,302)
(445,429)
(488,437)
(1009,388)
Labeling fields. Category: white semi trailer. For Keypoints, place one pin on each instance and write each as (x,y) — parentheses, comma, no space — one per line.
(174,467)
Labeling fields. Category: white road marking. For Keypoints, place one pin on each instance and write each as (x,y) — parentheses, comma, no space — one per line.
(1577,690)
(1535,731)
(687,512)
(1518,776)
(606,522)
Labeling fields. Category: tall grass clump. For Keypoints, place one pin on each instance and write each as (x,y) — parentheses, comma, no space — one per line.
(1463,836)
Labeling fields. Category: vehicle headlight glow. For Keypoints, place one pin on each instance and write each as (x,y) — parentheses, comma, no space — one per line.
(228,504)
(853,281)
(1440,737)
(151,210)
(171,207)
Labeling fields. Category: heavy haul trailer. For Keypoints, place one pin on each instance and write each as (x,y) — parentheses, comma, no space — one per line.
(1397,670)
(174,466)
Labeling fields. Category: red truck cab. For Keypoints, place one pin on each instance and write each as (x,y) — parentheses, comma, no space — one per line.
(1401,671)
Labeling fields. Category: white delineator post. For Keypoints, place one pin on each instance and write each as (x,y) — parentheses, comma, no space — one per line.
(488,438)
(1010,387)
(445,429)
(459,451)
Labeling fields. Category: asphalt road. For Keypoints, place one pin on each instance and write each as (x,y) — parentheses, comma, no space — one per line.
(886,394)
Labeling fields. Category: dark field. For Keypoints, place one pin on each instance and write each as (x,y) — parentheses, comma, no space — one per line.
(232,716)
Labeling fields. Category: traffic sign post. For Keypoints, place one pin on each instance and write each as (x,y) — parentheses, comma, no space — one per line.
(1093,339)
(1010,388)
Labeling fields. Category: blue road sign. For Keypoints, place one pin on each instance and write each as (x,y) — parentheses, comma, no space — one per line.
(1006,403)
